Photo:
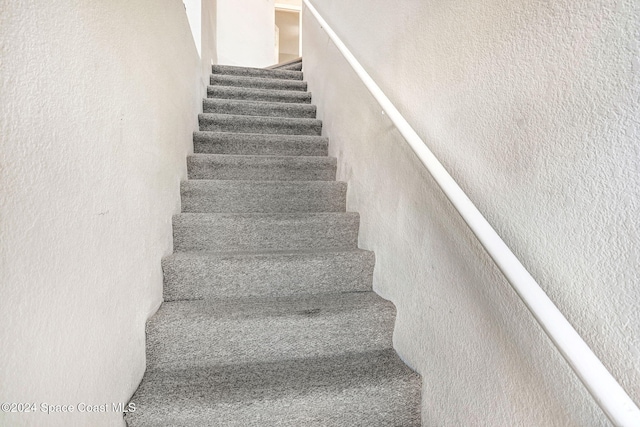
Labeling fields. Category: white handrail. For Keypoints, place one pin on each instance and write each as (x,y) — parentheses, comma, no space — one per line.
(606,391)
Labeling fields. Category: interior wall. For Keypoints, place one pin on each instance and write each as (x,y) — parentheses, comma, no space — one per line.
(533,108)
(99,102)
(209,42)
(246,32)
(289,25)
(194,15)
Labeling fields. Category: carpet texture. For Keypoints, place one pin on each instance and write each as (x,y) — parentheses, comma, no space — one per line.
(269,317)
(253,94)
(260,144)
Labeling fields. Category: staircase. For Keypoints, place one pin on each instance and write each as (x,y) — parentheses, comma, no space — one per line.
(269,318)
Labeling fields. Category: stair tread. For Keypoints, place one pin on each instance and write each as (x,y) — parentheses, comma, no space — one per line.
(367,389)
(292,67)
(267,328)
(256,72)
(258,108)
(233,123)
(259,103)
(249,157)
(280,65)
(257,82)
(259,215)
(264,253)
(249,308)
(259,119)
(214,275)
(255,231)
(261,168)
(259,144)
(262,196)
(272,95)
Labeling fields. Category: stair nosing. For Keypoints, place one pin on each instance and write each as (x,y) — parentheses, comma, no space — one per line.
(260,135)
(255,155)
(292,119)
(267,252)
(302,105)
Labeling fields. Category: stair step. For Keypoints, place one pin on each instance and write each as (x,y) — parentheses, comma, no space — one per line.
(258,108)
(371,389)
(260,144)
(255,232)
(263,196)
(281,65)
(197,334)
(191,276)
(254,124)
(256,72)
(292,67)
(257,82)
(270,95)
(261,168)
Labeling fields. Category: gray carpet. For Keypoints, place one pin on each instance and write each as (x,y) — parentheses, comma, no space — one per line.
(269,318)
(292,67)
(272,168)
(253,94)
(257,82)
(295,65)
(283,73)
(259,124)
(260,144)
(259,108)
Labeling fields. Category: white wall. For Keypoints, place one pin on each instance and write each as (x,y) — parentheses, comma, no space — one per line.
(202,21)
(99,100)
(533,107)
(209,42)
(193,9)
(246,32)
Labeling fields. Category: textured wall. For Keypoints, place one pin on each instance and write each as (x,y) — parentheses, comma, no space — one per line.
(246,32)
(98,103)
(533,107)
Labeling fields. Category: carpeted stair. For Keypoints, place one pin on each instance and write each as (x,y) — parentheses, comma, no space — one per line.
(269,318)
(293,65)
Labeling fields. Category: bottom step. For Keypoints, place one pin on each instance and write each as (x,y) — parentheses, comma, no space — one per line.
(372,389)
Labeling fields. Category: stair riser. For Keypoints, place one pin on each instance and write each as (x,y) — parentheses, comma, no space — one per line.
(261,125)
(262,168)
(262,197)
(229,233)
(247,108)
(269,275)
(256,72)
(257,83)
(257,144)
(204,339)
(238,93)
(292,67)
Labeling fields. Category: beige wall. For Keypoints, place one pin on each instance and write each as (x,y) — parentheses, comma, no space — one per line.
(98,103)
(246,32)
(533,107)
(289,25)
